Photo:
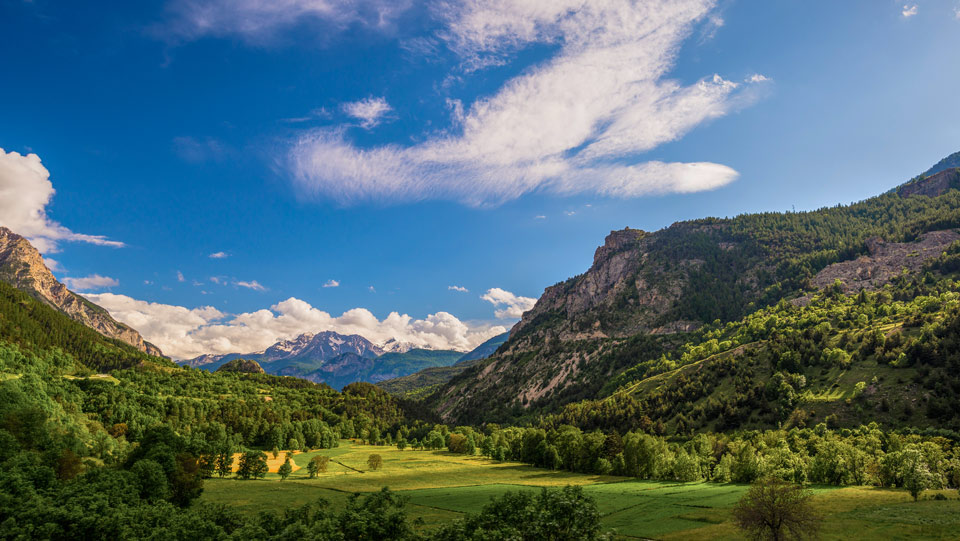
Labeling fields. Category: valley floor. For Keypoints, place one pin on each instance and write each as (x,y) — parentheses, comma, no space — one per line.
(442,486)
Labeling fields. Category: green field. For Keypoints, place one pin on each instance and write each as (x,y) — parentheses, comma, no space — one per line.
(441,486)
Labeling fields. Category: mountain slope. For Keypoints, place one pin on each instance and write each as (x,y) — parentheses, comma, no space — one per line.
(645,293)
(36,328)
(22,266)
(950,162)
(306,351)
(334,359)
(425,381)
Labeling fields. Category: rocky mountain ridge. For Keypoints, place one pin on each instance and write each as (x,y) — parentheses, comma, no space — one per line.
(645,290)
(22,266)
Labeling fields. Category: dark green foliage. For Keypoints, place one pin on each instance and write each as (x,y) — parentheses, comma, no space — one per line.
(557,514)
(38,329)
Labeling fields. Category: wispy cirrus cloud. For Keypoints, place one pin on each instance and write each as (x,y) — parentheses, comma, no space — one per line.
(252,284)
(461,289)
(576,123)
(261,20)
(25,192)
(369,111)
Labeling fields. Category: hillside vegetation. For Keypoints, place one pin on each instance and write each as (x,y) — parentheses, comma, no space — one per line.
(651,295)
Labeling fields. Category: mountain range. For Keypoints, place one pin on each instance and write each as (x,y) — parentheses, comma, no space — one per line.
(337,360)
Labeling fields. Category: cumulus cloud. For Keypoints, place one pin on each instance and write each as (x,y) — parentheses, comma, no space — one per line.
(253,284)
(94,281)
(461,289)
(218,255)
(575,123)
(25,192)
(513,306)
(331,283)
(180,277)
(909,10)
(260,20)
(184,333)
(369,111)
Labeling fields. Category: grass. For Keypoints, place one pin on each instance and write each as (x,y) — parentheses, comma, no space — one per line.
(442,486)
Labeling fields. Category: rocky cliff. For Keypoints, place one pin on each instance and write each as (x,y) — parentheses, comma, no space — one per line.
(22,266)
(645,291)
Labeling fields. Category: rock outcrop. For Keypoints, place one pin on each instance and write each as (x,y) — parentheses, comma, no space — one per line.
(22,266)
(885,261)
(933,185)
(244,366)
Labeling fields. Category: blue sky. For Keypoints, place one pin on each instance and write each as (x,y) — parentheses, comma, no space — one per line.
(397,149)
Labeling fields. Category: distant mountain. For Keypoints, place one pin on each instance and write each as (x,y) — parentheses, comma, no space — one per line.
(485,349)
(949,162)
(22,267)
(350,367)
(300,355)
(335,359)
(424,381)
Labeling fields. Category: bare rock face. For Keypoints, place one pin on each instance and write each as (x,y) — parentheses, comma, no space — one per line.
(22,266)
(614,264)
(885,261)
(932,186)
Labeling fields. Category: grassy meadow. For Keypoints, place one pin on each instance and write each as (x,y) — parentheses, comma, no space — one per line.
(442,486)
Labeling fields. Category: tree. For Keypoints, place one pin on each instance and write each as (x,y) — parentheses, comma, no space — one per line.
(224,464)
(776,510)
(317,465)
(915,472)
(401,443)
(557,514)
(285,470)
(275,452)
(375,462)
(252,464)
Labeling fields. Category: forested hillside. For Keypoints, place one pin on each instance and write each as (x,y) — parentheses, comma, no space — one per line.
(648,294)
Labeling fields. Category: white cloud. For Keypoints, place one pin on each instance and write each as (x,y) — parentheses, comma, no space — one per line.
(331,283)
(573,124)
(25,192)
(53,265)
(219,255)
(94,281)
(513,306)
(185,333)
(956,12)
(757,78)
(369,111)
(539,217)
(909,10)
(253,284)
(461,289)
(180,277)
(372,289)
(259,20)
